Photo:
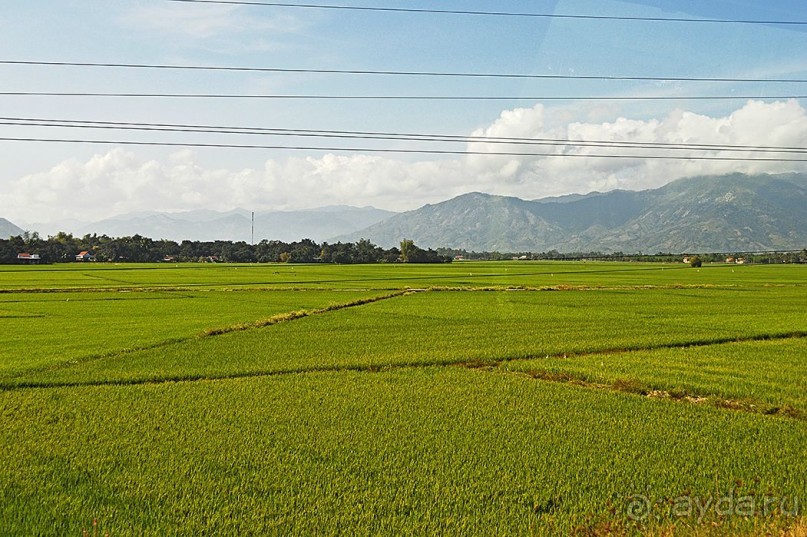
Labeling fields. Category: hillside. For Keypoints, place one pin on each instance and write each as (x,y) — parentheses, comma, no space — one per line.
(7,229)
(715,213)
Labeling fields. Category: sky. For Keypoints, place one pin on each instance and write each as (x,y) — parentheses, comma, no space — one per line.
(48,181)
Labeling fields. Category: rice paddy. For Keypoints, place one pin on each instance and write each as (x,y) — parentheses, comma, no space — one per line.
(469,399)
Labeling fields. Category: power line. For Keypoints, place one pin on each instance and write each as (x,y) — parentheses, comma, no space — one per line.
(397,97)
(491,13)
(388,136)
(403,73)
(397,150)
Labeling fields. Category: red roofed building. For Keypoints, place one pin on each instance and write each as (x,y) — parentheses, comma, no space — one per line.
(28,258)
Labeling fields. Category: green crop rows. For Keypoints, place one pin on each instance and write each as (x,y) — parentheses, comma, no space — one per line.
(467,399)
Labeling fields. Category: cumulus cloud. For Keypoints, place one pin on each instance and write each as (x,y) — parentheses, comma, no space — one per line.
(121,181)
(581,169)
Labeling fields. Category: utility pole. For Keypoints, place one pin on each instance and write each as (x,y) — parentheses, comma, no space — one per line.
(253,228)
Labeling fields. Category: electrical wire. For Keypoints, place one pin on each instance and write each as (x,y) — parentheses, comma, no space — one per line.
(397,150)
(403,73)
(388,136)
(491,13)
(397,97)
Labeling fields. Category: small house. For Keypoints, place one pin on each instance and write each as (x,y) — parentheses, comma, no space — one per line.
(27,258)
(86,255)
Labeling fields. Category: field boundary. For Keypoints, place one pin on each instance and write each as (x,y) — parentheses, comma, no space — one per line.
(797,334)
(307,286)
(299,314)
(620,385)
(637,387)
(209,332)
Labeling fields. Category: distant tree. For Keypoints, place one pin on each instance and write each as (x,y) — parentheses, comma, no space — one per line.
(393,255)
(325,253)
(8,251)
(408,250)
(341,253)
(696,261)
(367,252)
(189,250)
(269,251)
(410,253)
(305,251)
(240,252)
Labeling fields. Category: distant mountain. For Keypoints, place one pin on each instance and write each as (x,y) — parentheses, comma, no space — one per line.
(716,213)
(235,225)
(7,229)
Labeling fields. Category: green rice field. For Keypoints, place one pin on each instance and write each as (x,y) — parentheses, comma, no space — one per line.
(498,398)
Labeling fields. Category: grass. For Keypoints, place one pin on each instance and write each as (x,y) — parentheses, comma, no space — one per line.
(282,399)
(767,376)
(391,276)
(50,329)
(425,450)
(455,327)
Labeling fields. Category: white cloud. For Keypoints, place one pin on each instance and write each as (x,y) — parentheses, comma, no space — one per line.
(205,21)
(755,124)
(120,181)
(229,29)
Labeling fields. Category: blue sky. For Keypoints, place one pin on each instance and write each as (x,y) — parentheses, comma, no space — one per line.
(49,181)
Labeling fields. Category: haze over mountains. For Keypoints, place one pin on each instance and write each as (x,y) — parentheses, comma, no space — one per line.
(701,214)
(206,225)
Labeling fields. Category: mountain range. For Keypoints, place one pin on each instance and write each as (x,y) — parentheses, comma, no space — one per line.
(236,225)
(728,213)
(7,229)
(733,212)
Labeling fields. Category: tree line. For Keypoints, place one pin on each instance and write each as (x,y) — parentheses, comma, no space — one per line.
(788,256)
(63,247)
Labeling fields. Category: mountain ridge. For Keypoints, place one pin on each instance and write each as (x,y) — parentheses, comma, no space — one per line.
(234,225)
(732,212)
(9,229)
(705,213)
